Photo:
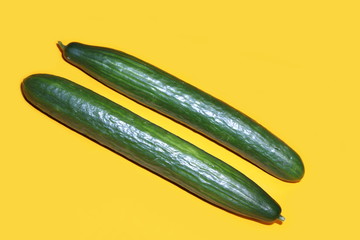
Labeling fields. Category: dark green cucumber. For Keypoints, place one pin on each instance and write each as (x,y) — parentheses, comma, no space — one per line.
(150,146)
(188,105)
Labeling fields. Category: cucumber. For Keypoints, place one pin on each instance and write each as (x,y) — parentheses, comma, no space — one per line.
(188,105)
(150,146)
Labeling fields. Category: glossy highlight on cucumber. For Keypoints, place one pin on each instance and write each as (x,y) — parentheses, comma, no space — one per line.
(150,146)
(188,105)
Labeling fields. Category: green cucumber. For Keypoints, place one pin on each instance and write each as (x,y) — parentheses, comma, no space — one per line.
(150,146)
(188,105)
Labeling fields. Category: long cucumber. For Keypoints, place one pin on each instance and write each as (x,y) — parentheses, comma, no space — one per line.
(188,105)
(150,146)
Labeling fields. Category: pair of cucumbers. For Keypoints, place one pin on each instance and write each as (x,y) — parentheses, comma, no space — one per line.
(153,147)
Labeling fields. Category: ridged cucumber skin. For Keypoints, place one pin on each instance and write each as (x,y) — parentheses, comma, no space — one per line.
(150,146)
(188,105)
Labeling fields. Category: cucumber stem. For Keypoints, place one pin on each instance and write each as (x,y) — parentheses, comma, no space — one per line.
(61,45)
(281,218)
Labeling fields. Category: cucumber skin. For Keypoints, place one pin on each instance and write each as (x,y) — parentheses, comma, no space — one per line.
(150,146)
(188,105)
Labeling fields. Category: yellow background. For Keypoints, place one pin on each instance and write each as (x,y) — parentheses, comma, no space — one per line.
(291,65)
